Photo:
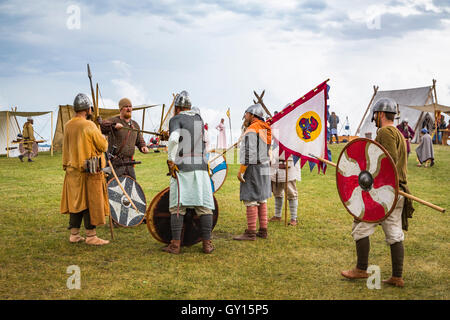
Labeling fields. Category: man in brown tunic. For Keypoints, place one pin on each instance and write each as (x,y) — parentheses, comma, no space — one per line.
(84,194)
(392,140)
(28,137)
(122,143)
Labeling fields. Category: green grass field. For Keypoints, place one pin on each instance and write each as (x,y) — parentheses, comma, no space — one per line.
(302,262)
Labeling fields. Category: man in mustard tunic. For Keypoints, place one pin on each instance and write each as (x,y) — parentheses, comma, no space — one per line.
(84,194)
(28,137)
(392,140)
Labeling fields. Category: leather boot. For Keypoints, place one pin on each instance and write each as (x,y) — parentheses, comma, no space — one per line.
(75,236)
(92,239)
(355,274)
(173,247)
(262,233)
(275,219)
(395,281)
(21,158)
(207,246)
(247,235)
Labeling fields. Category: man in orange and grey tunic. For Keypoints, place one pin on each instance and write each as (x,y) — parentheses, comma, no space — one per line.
(84,195)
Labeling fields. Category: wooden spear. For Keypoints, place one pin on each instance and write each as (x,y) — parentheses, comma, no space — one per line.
(407,195)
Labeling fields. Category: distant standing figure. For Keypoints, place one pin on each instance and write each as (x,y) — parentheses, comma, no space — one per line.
(221,137)
(424,151)
(28,137)
(407,132)
(206,137)
(333,121)
(278,179)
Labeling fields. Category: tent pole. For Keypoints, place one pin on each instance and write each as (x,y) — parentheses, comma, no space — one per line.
(435,113)
(143,118)
(162,115)
(15,118)
(375,90)
(61,119)
(7,134)
(51,137)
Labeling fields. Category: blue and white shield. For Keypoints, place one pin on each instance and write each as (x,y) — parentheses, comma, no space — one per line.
(218,169)
(122,211)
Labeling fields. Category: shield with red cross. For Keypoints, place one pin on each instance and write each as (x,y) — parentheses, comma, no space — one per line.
(367,180)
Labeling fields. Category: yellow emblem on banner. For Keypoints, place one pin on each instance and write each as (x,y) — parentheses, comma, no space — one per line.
(309,126)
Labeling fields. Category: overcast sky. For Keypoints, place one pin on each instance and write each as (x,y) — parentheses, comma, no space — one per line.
(220,51)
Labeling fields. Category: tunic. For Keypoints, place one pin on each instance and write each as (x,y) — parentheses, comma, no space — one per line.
(408,133)
(254,159)
(221,136)
(394,143)
(28,135)
(278,171)
(122,144)
(81,191)
(186,148)
(425,149)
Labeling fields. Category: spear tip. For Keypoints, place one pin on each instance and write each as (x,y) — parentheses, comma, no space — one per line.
(89,71)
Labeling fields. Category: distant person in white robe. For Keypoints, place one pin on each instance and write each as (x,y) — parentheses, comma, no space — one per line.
(221,136)
(206,137)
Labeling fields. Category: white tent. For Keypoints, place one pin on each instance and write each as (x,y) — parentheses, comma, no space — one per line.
(405,98)
(9,129)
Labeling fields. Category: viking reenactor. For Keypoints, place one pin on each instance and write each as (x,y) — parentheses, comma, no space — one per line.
(28,137)
(392,140)
(333,120)
(84,195)
(407,132)
(190,185)
(122,143)
(278,180)
(425,151)
(221,135)
(254,172)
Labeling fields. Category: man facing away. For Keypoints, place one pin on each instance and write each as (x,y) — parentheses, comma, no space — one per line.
(190,185)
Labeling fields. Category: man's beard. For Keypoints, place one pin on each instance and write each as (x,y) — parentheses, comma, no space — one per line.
(89,116)
(127,115)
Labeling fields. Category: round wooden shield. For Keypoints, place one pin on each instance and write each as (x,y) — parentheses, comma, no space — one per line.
(122,211)
(158,221)
(367,180)
(34,151)
(218,169)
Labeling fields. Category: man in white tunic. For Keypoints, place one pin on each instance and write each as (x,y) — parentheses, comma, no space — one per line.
(190,186)
(278,179)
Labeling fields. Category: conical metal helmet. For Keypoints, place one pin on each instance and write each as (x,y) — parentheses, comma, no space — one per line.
(81,102)
(384,105)
(183,100)
(256,110)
